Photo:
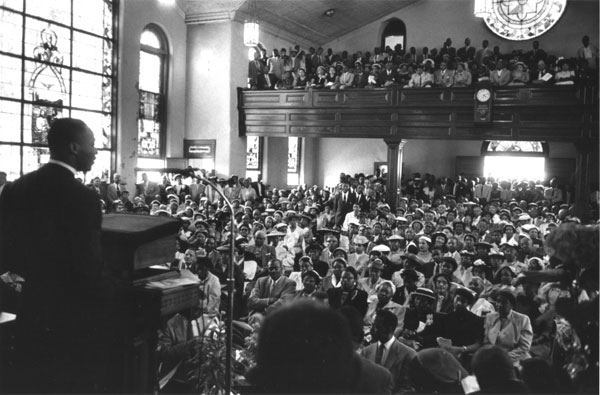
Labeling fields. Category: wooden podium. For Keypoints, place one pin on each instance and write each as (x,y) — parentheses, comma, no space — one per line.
(131,245)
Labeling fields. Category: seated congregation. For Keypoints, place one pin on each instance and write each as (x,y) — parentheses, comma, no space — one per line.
(493,281)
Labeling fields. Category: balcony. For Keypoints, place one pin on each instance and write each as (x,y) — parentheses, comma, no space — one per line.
(553,113)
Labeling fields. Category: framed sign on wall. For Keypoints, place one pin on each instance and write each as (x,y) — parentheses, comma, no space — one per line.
(199,149)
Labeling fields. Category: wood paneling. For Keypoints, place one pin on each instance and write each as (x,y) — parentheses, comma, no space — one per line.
(519,113)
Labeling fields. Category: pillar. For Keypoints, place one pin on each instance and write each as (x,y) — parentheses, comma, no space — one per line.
(275,162)
(394,176)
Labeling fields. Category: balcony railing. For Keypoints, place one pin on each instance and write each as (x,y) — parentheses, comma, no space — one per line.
(553,113)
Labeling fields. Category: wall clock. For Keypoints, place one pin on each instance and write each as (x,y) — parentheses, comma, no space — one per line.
(482,106)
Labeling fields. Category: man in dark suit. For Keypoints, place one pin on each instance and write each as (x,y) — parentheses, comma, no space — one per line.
(268,290)
(61,327)
(254,70)
(260,188)
(342,204)
(265,80)
(389,352)
(147,188)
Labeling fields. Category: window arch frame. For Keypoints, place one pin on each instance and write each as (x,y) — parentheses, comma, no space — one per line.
(389,29)
(545,150)
(164,54)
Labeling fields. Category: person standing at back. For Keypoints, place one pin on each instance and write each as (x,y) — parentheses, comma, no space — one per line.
(61,324)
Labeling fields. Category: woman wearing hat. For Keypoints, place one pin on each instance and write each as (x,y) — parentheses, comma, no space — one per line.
(507,328)
(334,279)
(519,75)
(424,245)
(382,300)
(444,298)
(503,279)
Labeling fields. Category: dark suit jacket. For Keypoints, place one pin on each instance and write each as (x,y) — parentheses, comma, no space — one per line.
(262,81)
(356,299)
(370,378)
(50,234)
(341,208)
(260,189)
(258,301)
(397,361)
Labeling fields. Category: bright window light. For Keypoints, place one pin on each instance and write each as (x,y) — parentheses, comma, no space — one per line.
(514,167)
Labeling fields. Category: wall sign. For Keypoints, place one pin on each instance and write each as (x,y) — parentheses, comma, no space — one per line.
(199,149)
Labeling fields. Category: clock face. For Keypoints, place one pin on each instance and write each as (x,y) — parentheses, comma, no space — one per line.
(483,95)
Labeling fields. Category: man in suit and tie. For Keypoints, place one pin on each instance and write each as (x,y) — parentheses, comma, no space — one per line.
(259,187)
(389,352)
(254,70)
(343,203)
(62,334)
(148,188)
(500,76)
(180,188)
(483,53)
(113,191)
(268,290)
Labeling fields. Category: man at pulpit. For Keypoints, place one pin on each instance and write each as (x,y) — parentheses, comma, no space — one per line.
(62,326)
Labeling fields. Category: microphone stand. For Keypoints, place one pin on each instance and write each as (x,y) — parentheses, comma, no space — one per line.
(231,290)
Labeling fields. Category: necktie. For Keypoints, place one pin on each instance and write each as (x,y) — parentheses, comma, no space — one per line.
(420,81)
(379,354)
(118,190)
(271,287)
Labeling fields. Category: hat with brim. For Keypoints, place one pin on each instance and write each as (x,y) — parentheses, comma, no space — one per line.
(423,293)
(381,248)
(412,258)
(465,293)
(360,240)
(275,233)
(313,274)
(395,238)
(483,244)
(451,261)
(441,365)
(409,274)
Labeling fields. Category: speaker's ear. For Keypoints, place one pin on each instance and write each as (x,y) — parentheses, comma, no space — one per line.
(73,147)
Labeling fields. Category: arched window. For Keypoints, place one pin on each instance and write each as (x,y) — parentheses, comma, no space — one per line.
(514,160)
(394,33)
(152,98)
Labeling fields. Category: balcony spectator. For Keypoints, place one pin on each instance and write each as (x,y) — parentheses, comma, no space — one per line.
(346,80)
(588,53)
(519,75)
(360,76)
(500,76)
(332,79)
(275,64)
(287,82)
(389,76)
(443,77)
(373,80)
(467,52)
(320,79)
(483,53)
(266,80)
(462,77)
(565,76)
(542,74)
(301,80)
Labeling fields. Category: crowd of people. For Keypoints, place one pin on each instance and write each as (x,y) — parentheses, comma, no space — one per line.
(460,266)
(444,67)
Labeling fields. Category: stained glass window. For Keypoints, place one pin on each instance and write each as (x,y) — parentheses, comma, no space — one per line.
(294,150)
(56,60)
(151,114)
(515,146)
